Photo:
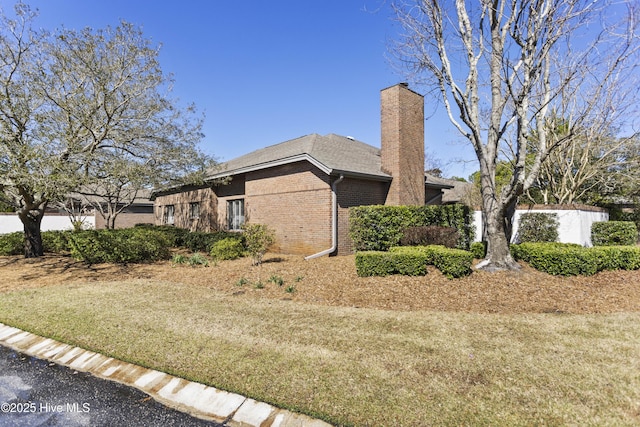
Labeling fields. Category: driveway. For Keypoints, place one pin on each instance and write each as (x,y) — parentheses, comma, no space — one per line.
(35,392)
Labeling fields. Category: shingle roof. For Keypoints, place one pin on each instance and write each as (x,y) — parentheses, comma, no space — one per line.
(334,154)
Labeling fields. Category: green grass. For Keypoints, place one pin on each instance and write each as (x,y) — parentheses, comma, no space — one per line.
(354,366)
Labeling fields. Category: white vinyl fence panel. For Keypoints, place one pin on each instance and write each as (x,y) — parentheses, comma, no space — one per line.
(9,222)
(574,221)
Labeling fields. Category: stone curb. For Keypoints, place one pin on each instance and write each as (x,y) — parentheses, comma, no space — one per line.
(199,400)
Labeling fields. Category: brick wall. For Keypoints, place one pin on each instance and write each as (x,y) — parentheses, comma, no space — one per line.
(127,219)
(356,192)
(206,221)
(294,200)
(402,144)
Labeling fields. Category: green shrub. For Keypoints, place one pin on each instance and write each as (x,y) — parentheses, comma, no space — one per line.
(408,262)
(430,235)
(478,249)
(56,241)
(558,259)
(413,261)
(614,233)
(453,263)
(227,248)
(122,246)
(276,280)
(179,259)
(617,257)
(175,236)
(538,227)
(258,239)
(377,228)
(198,259)
(12,243)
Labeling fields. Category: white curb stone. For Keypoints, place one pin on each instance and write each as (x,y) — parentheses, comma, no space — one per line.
(197,399)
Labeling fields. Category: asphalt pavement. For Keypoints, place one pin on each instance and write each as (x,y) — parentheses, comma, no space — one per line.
(35,392)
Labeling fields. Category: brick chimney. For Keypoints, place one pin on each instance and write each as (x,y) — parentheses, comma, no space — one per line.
(402,154)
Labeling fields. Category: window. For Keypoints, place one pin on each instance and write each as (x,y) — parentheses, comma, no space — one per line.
(194,210)
(169,211)
(235,214)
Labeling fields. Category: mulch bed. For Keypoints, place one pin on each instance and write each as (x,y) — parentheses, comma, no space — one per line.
(333,281)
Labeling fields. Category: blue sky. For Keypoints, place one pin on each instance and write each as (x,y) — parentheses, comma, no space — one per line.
(264,72)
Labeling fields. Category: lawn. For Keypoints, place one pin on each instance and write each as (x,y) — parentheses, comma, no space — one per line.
(504,349)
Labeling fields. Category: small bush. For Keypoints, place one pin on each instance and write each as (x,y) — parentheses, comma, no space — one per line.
(227,249)
(258,239)
(430,235)
(538,227)
(406,261)
(198,259)
(614,233)
(478,249)
(179,259)
(12,244)
(453,263)
(559,259)
(276,280)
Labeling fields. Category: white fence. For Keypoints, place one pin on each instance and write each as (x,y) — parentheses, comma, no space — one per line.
(9,222)
(574,221)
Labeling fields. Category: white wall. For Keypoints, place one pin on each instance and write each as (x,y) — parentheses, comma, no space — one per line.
(574,224)
(9,222)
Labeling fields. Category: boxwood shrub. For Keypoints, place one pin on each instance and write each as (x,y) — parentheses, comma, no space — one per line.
(565,259)
(453,263)
(379,263)
(413,261)
(609,233)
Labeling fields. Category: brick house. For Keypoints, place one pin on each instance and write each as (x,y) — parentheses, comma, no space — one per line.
(303,188)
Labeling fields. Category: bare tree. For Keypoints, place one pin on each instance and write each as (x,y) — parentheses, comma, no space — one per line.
(504,67)
(71,99)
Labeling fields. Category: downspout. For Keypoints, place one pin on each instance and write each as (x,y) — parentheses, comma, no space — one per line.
(334,221)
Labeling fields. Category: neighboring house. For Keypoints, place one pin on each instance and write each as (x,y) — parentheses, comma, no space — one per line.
(139,211)
(303,188)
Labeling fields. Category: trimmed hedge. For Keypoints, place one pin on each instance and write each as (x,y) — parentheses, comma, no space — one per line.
(378,263)
(566,259)
(377,228)
(122,246)
(413,261)
(609,233)
(12,243)
(453,263)
(56,241)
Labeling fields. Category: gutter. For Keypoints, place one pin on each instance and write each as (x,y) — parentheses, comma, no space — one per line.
(334,221)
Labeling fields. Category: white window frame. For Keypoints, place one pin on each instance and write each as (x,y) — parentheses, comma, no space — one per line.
(194,210)
(235,214)
(169,214)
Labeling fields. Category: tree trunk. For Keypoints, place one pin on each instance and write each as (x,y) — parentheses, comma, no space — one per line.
(498,254)
(31,220)
(111,222)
